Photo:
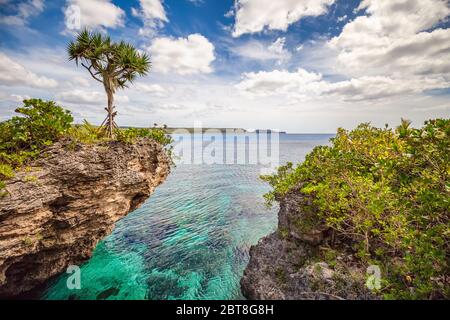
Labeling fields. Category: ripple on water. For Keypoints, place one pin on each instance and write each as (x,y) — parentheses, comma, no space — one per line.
(190,240)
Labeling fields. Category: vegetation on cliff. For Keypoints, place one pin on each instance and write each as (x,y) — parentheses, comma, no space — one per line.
(114,65)
(42,123)
(385,193)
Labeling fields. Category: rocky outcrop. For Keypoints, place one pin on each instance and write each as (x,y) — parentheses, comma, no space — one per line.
(297,262)
(59,207)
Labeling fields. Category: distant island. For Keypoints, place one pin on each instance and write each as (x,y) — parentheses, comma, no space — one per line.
(171,130)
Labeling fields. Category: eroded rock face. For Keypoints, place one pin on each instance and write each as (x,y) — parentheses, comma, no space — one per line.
(289,264)
(60,207)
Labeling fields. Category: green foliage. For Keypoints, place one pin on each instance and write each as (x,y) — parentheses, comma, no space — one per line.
(386,192)
(86,133)
(42,123)
(130,135)
(115,65)
(109,62)
(6,172)
(39,124)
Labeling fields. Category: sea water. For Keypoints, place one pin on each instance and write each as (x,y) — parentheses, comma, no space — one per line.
(191,238)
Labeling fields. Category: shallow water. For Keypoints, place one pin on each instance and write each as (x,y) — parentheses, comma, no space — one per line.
(190,240)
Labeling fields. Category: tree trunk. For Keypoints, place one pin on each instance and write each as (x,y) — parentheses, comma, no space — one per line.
(110,122)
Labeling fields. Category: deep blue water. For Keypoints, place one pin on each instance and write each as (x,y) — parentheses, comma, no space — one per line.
(190,240)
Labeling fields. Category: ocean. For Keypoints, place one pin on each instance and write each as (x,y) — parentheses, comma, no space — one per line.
(191,238)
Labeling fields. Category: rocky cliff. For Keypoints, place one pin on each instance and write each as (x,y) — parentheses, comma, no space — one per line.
(59,207)
(298,264)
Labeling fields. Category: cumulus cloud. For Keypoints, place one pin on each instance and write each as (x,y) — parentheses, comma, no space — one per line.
(152,89)
(79,96)
(152,9)
(381,87)
(395,48)
(92,14)
(304,85)
(393,38)
(23,11)
(14,74)
(153,15)
(255,15)
(258,50)
(80,81)
(191,55)
(280,82)
(18,97)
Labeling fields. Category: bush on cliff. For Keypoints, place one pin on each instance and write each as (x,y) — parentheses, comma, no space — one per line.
(387,194)
(129,135)
(41,123)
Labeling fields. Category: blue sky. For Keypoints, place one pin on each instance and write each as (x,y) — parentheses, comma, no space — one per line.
(295,65)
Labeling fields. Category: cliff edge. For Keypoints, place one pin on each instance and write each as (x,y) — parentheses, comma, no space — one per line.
(57,209)
(294,264)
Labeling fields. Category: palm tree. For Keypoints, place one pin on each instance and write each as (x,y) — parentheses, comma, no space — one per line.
(404,128)
(112,64)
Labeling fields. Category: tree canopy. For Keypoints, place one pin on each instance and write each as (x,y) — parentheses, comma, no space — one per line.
(113,64)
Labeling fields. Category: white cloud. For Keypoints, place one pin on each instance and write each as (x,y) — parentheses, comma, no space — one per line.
(92,14)
(78,96)
(392,39)
(153,9)
(80,81)
(382,87)
(304,85)
(391,51)
(229,13)
(18,97)
(278,47)
(191,55)
(280,82)
(152,89)
(153,15)
(24,10)
(255,15)
(14,74)
(343,18)
(258,50)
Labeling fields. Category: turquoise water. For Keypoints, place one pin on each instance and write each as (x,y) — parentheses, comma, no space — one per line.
(190,240)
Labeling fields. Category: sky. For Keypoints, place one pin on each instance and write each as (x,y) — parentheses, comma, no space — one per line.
(304,66)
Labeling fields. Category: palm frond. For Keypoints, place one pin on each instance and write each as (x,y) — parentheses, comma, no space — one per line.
(120,62)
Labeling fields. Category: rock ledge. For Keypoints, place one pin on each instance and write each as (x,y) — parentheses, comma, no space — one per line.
(60,206)
(292,264)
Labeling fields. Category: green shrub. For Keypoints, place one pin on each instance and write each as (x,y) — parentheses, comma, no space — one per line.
(86,133)
(42,123)
(387,193)
(39,124)
(6,171)
(130,135)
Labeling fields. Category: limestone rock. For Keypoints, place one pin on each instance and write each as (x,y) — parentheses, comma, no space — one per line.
(286,264)
(59,208)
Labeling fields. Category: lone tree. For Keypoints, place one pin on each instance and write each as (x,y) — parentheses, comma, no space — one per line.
(112,64)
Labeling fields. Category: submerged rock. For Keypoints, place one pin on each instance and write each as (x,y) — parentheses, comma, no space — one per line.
(58,209)
(288,264)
